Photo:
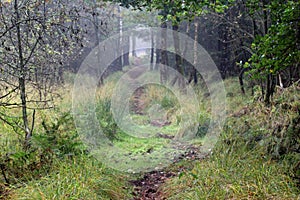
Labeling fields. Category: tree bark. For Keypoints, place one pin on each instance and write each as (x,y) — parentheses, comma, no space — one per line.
(126,50)
(157,53)
(152,51)
(178,59)
(118,61)
(194,71)
(22,80)
(164,54)
(133,46)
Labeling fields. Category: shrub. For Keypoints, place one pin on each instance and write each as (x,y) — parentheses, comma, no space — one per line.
(106,119)
(57,140)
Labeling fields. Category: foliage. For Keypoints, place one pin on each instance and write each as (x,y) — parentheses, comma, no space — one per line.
(59,140)
(176,11)
(36,38)
(167,102)
(279,48)
(275,51)
(106,118)
(275,128)
(204,122)
(60,137)
(257,156)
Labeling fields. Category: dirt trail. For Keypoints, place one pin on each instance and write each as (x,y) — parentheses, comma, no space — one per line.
(138,104)
(148,187)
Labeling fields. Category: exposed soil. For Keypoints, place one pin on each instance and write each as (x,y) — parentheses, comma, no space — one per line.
(148,187)
(138,106)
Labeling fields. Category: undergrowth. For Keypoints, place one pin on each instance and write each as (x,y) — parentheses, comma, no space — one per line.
(56,166)
(80,178)
(257,156)
(233,172)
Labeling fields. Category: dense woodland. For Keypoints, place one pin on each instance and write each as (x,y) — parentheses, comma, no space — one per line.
(255,45)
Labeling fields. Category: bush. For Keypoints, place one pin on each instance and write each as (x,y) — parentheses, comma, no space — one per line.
(59,137)
(204,122)
(274,129)
(106,118)
(168,102)
(58,140)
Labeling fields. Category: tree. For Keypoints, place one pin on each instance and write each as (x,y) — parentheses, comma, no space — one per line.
(277,50)
(175,11)
(36,39)
(274,25)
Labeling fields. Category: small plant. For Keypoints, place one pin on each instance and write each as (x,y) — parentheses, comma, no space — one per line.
(204,123)
(168,102)
(57,140)
(106,119)
(59,137)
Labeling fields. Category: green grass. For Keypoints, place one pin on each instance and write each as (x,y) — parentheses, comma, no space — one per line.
(79,178)
(240,167)
(136,145)
(141,148)
(233,174)
(256,156)
(56,167)
(143,122)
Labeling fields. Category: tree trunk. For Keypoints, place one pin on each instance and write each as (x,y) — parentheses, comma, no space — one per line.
(268,91)
(118,61)
(126,50)
(164,54)
(125,44)
(194,70)
(157,53)
(270,88)
(152,51)
(22,80)
(241,76)
(97,37)
(133,46)
(178,59)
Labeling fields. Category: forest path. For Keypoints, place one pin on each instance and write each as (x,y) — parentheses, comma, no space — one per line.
(148,187)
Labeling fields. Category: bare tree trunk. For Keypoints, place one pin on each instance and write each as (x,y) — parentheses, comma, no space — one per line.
(97,37)
(126,46)
(194,71)
(268,91)
(270,78)
(178,59)
(133,46)
(118,63)
(157,53)
(22,82)
(164,53)
(152,51)
(241,80)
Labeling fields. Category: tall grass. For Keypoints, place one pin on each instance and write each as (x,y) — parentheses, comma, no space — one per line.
(233,173)
(257,156)
(79,178)
(57,165)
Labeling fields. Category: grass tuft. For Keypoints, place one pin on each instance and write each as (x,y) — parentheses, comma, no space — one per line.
(79,178)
